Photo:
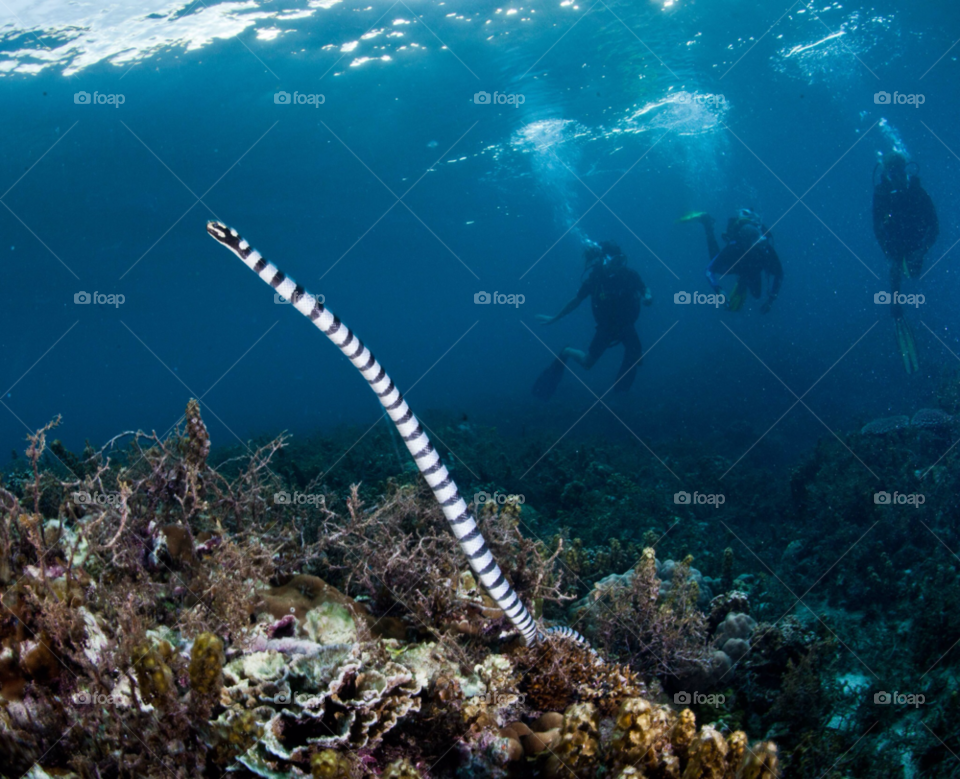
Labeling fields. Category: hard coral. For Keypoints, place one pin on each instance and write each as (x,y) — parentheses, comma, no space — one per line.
(154,677)
(401,769)
(642,738)
(330,764)
(336,698)
(578,749)
(206,665)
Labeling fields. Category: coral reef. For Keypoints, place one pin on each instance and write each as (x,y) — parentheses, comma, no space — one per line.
(146,591)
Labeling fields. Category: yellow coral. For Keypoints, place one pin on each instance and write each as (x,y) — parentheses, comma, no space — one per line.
(708,756)
(206,665)
(579,744)
(239,730)
(641,734)
(737,747)
(329,764)
(761,762)
(684,732)
(153,674)
(401,769)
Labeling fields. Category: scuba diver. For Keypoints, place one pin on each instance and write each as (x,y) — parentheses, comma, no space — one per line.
(906,226)
(748,255)
(615,293)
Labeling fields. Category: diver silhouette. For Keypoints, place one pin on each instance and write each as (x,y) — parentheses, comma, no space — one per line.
(905,223)
(615,293)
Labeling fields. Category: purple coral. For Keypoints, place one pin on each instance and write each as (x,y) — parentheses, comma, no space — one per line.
(285,627)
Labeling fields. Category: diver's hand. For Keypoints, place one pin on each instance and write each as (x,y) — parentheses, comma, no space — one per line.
(546,319)
(765,308)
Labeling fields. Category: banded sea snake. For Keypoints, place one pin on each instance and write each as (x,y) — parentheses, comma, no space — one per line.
(455,509)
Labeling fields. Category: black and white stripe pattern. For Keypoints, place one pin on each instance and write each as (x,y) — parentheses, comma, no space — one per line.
(462,523)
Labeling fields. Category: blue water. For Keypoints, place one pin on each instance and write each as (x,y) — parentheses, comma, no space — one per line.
(660,108)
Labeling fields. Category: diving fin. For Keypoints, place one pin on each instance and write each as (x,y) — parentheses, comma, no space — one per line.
(547,382)
(907,345)
(693,216)
(738,297)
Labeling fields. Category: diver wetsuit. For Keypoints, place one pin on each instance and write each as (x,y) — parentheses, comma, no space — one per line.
(748,254)
(615,293)
(905,223)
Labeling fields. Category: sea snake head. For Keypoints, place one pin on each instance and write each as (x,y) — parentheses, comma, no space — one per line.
(227,236)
